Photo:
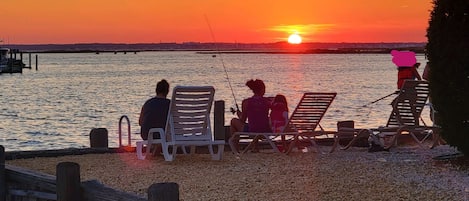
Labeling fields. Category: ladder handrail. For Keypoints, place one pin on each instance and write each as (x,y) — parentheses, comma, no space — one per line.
(128,130)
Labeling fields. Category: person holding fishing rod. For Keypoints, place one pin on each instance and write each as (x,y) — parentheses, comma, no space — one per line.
(407,73)
(407,65)
(255,110)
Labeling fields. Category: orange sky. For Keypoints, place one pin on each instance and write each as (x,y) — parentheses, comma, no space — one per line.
(259,21)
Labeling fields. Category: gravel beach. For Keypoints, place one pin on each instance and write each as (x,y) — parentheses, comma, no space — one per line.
(404,173)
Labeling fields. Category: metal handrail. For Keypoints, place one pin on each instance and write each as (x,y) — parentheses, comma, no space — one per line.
(128,130)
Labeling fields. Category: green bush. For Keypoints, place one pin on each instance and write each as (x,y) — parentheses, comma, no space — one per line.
(448,55)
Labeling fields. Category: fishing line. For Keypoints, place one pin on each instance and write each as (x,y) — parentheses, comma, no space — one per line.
(223,64)
(375,101)
(396,92)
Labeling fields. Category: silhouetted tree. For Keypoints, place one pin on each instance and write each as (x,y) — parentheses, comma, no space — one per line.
(448,55)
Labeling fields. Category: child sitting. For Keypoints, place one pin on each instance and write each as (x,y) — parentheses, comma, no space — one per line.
(279,113)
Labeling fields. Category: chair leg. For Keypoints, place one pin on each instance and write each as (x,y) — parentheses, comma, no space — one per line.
(221,149)
(419,142)
(253,143)
(139,150)
(219,154)
(437,140)
(272,144)
(315,145)
(293,144)
(167,155)
(336,142)
(149,144)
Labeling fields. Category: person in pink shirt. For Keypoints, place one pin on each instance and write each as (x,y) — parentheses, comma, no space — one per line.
(279,117)
(279,113)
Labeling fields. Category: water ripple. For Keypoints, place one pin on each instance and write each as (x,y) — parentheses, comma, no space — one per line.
(71,94)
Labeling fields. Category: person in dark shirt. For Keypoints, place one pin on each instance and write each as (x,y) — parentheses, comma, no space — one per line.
(255,110)
(155,110)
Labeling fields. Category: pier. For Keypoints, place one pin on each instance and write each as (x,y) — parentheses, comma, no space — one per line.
(10,63)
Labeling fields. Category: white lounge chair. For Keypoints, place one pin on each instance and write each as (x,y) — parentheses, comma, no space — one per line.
(405,116)
(302,124)
(188,124)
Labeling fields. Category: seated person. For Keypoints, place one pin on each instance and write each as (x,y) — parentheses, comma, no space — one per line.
(279,113)
(155,110)
(255,110)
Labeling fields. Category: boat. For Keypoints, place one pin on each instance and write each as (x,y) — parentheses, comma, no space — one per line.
(9,64)
(3,59)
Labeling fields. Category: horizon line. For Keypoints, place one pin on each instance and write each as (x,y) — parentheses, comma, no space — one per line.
(195,42)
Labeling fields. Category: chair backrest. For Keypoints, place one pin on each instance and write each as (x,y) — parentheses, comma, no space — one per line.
(309,112)
(189,113)
(408,105)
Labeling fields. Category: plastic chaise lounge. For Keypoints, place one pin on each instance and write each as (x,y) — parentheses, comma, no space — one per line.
(188,124)
(405,116)
(302,125)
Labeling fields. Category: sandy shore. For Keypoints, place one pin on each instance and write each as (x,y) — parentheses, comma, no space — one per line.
(404,173)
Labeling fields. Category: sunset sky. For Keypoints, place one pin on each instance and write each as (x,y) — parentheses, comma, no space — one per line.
(259,21)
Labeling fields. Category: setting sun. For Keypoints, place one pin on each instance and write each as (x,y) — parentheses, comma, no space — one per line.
(294,39)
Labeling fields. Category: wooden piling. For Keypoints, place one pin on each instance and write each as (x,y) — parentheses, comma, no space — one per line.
(99,138)
(3,182)
(163,192)
(29,60)
(68,182)
(219,120)
(36,61)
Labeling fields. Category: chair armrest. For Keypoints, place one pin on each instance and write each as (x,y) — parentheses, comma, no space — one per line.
(160,131)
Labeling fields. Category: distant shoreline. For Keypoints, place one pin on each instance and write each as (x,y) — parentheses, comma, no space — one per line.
(314,51)
(215,52)
(225,48)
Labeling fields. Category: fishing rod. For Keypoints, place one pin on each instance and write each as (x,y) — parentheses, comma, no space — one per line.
(396,92)
(223,64)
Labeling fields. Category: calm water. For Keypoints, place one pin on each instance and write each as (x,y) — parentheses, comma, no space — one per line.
(57,106)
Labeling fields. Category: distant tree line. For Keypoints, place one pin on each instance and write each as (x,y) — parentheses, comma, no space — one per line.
(196,46)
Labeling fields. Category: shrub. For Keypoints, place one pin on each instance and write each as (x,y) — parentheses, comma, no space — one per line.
(448,55)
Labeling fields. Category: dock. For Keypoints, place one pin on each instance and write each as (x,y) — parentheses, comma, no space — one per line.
(11,61)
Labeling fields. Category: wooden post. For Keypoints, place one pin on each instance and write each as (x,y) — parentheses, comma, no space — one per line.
(3,182)
(99,138)
(68,182)
(36,61)
(163,192)
(29,60)
(219,120)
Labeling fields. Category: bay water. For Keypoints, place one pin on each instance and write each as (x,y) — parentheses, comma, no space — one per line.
(56,106)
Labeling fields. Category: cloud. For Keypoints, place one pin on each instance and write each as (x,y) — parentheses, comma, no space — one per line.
(302,28)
